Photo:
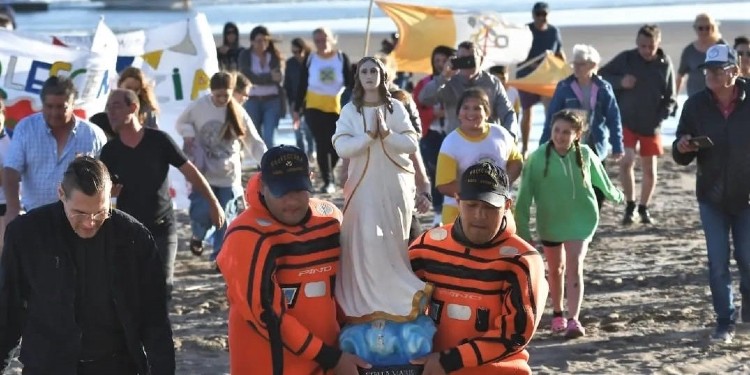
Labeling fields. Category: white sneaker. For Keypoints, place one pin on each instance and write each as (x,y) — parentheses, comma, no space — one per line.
(437,221)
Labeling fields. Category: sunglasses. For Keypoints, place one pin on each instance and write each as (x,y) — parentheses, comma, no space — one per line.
(743,53)
(704,28)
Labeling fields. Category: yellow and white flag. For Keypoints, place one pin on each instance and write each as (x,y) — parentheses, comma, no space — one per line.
(423,28)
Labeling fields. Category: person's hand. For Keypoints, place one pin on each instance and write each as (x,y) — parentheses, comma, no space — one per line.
(616,157)
(217,214)
(295,120)
(628,81)
(276,75)
(684,145)
(348,364)
(423,202)
(431,364)
(382,126)
(187,145)
(448,71)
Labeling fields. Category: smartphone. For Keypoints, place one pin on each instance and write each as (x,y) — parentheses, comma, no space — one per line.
(466,62)
(701,142)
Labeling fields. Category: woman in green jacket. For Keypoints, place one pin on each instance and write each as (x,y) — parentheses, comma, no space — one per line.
(560,177)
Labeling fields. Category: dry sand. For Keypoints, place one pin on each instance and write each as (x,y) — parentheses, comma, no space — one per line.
(647,304)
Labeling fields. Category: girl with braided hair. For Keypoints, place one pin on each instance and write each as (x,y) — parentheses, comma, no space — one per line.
(559,177)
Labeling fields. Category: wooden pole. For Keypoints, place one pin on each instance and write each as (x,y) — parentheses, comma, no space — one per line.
(367,30)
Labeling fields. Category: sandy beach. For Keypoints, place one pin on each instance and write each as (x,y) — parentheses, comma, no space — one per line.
(647,303)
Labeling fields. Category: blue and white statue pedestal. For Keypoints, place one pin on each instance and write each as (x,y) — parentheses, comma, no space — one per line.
(389,346)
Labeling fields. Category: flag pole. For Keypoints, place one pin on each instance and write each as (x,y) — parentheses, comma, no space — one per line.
(367,29)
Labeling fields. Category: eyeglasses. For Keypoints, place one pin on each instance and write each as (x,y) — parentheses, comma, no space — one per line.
(97,217)
(743,53)
(703,27)
(717,71)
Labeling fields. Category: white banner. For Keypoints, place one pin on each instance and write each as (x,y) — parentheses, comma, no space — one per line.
(25,64)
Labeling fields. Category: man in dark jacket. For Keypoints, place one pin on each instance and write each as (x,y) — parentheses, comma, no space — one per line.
(643,80)
(713,128)
(82,284)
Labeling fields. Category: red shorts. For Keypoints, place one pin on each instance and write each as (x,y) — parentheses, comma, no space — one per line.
(650,144)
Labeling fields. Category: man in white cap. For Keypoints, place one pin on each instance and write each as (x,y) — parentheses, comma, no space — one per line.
(713,128)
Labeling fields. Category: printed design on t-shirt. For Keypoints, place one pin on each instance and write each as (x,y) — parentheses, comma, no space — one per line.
(211,137)
(488,158)
(327,75)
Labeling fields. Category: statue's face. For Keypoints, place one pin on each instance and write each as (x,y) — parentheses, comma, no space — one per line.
(369,75)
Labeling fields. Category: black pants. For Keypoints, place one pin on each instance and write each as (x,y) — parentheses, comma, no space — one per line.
(430,148)
(323,126)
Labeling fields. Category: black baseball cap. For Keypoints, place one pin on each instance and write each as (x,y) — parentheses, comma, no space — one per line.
(540,7)
(484,182)
(285,169)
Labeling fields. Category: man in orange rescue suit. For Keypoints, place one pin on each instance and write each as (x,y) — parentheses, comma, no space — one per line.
(490,288)
(279,261)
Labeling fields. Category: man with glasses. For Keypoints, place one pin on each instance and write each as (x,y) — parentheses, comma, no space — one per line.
(44,144)
(87,296)
(546,38)
(713,129)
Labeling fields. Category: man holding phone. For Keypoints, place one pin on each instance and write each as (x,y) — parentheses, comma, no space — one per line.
(718,116)
(464,72)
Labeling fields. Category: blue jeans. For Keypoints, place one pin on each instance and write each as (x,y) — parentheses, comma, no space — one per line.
(302,135)
(717,224)
(430,148)
(200,217)
(265,113)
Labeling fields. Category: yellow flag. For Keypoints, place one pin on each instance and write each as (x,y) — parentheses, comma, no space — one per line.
(423,28)
(543,80)
(153,58)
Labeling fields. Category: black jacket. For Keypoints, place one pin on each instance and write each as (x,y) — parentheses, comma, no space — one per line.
(38,286)
(723,176)
(646,105)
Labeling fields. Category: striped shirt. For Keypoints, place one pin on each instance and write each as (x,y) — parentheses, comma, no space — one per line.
(33,153)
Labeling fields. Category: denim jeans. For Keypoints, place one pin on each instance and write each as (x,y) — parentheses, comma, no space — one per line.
(304,135)
(200,217)
(265,113)
(430,148)
(717,224)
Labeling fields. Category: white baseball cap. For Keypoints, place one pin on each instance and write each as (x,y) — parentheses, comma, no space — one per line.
(720,56)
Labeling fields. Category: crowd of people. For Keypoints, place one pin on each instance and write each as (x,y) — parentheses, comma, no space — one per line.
(90,296)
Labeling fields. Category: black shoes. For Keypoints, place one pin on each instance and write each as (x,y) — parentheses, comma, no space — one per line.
(643,213)
(629,214)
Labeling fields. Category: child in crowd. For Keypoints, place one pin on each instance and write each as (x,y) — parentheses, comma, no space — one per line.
(560,177)
(475,140)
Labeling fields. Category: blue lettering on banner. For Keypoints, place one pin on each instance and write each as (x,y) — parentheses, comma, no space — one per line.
(33,84)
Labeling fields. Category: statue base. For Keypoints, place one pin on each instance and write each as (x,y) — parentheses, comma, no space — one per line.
(393,370)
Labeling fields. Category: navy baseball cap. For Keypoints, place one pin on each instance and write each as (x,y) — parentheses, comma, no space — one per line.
(484,182)
(540,7)
(719,56)
(285,169)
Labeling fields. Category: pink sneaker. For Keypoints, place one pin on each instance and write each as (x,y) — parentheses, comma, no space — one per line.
(574,330)
(558,325)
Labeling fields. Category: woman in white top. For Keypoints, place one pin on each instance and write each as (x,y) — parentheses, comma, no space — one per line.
(262,64)
(215,129)
(374,133)
(324,77)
